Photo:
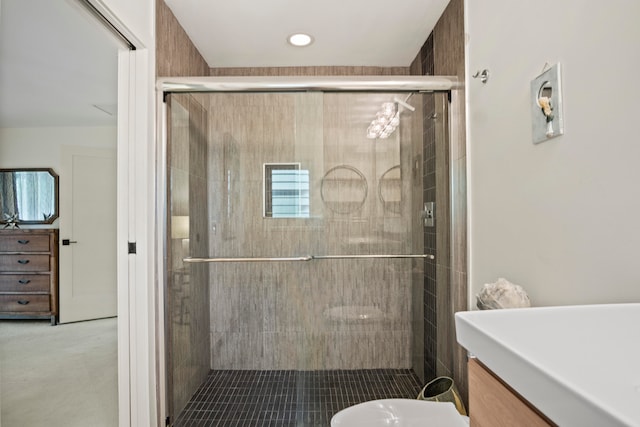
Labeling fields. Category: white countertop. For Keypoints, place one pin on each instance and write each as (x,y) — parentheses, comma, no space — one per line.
(579,365)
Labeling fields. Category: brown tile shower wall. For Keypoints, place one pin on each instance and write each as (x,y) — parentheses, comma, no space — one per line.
(311,71)
(445,280)
(448,48)
(278,315)
(187,295)
(419,312)
(187,284)
(423,65)
(175,53)
(417,267)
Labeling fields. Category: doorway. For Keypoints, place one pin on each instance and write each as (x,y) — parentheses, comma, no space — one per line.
(77,107)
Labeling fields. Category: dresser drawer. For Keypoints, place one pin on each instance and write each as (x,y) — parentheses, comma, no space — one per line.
(22,303)
(24,262)
(25,282)
(24,243)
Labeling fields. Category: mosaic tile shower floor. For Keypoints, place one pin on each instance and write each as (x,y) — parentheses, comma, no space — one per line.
(290,398)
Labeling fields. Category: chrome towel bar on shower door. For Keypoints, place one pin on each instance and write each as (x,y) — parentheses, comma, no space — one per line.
(306,258)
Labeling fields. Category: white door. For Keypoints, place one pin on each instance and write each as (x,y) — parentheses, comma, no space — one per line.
(87,234)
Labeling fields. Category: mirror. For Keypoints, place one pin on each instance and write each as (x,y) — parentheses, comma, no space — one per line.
(28,196)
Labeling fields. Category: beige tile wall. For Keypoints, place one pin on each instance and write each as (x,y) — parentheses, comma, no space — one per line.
(278,315)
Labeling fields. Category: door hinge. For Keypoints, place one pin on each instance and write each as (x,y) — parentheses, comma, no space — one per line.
(132,247)
(167,422)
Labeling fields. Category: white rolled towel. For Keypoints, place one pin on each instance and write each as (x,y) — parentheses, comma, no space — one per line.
(502,294)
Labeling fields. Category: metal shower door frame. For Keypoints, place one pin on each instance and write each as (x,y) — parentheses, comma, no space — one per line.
(168,85)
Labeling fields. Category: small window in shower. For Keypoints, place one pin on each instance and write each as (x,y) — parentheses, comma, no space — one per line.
(286,191)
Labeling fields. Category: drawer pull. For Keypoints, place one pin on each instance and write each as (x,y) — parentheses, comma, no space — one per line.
(23,261)
(23,242)
(24,281)
(23,302)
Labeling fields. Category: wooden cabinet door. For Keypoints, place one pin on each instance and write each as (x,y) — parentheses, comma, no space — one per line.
(494,404)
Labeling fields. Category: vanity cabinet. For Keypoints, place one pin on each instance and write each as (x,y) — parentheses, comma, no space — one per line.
(492,403)
(29,273)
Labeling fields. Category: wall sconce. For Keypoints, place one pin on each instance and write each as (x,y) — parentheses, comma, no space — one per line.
(546,105)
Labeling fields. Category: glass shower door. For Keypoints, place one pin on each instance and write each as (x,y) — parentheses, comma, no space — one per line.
(304,253)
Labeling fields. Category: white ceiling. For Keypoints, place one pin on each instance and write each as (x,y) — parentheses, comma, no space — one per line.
(57,61)
(252,33)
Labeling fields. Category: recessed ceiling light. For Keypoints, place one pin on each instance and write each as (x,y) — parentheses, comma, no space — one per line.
(300,39)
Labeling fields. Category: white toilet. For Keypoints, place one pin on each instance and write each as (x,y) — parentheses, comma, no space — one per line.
(400,413)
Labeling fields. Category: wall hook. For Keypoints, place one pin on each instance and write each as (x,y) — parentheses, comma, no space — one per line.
(484,75)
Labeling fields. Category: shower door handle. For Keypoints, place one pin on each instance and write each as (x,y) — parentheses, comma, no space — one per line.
(307,258)
(250,259)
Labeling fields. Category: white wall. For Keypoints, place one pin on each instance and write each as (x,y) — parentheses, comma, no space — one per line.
(561,218)
(39,147)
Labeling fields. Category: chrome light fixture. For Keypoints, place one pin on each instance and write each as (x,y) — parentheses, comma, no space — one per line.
(386,121)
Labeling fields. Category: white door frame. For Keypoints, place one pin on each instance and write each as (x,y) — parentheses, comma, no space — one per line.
(136,198)
(136,224)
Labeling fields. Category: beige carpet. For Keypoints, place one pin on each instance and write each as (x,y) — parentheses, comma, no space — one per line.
(63,375)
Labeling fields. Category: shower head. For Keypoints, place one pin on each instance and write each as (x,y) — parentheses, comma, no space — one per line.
(388,118)
(404,103)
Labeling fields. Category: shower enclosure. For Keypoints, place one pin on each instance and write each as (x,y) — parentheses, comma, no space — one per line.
(294,245)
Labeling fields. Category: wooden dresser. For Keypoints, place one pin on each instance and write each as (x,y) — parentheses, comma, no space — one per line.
(29,273)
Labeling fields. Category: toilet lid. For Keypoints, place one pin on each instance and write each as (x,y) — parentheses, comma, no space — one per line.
(399,413)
